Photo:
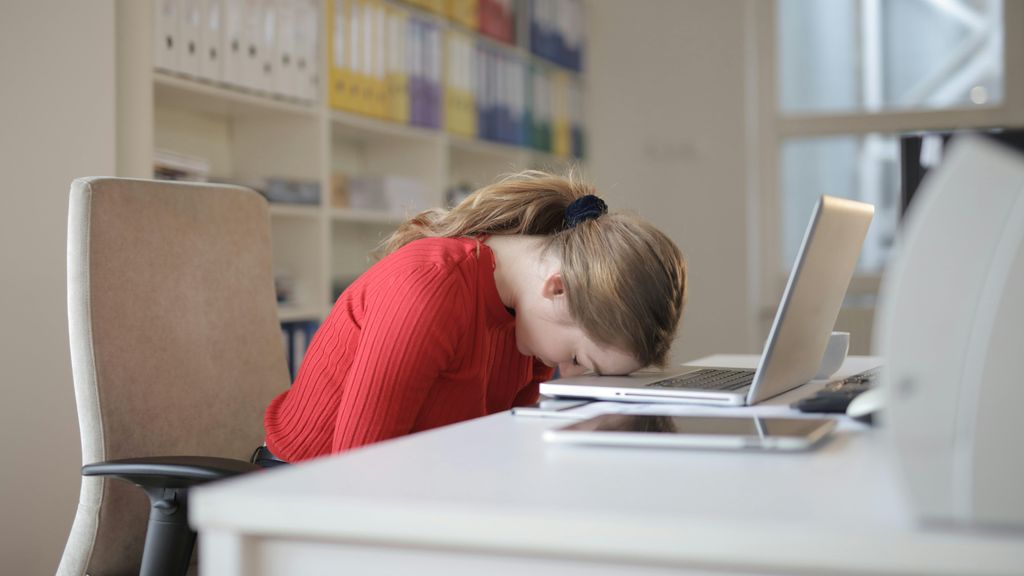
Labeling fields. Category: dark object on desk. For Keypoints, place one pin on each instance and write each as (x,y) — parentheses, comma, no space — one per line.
(922,151)
(835,397)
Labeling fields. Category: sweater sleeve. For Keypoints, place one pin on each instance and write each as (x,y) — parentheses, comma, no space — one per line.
(530,393)
(410,333)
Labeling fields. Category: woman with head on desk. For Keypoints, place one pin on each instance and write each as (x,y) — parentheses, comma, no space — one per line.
(471,308)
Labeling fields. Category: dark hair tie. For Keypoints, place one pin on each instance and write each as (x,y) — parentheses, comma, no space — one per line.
(584,208)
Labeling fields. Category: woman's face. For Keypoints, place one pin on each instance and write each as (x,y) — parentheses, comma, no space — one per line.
(545,329)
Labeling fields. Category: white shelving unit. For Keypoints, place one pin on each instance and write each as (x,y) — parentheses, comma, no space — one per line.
(247,137)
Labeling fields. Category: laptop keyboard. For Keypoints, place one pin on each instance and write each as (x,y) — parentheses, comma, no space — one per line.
(708,379)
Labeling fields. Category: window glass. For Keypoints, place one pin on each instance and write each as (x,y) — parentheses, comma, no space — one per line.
(847,56)
(862,168)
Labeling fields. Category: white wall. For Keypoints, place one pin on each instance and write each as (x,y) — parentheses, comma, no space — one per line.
(56,123)
(665,104)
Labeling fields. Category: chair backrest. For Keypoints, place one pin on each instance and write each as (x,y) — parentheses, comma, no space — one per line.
(175,342)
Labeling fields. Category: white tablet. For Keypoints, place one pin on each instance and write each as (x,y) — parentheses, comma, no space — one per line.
(713,432)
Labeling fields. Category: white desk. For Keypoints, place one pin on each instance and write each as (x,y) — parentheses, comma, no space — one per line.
(488,496)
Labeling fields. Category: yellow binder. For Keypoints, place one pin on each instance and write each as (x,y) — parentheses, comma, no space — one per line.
(341,79)
(561,131)
(459,102)
(464,12)
(362,34)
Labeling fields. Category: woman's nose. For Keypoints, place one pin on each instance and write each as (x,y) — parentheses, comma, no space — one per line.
(570,369)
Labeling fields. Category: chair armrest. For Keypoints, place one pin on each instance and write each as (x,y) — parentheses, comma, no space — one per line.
(167,480)
(170,471)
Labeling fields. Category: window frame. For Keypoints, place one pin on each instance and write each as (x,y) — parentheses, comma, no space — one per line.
(769,128)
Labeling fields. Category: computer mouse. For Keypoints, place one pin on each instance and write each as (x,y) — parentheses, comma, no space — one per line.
(865,405)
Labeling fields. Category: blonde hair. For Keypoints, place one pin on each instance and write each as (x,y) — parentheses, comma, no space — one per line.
(625,281)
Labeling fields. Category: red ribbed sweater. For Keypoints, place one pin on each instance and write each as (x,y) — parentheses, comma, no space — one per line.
(420,340)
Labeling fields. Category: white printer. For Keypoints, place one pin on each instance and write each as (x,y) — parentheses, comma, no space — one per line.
(951,329)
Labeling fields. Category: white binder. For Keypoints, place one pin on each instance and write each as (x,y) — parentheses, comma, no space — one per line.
(190,30)
(211,49)
(165,35)
(285,79)
(267,79)
(252,34)
(307,42)
(233,42)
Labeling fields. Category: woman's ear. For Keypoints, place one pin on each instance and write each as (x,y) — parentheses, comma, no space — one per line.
(553,286)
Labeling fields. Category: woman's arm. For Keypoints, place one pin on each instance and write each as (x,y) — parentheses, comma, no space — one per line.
(410,334)
(530,394)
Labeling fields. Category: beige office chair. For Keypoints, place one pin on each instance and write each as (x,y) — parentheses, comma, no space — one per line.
(176,351)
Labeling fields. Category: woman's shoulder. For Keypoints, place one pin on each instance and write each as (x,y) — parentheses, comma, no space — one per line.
(445,253)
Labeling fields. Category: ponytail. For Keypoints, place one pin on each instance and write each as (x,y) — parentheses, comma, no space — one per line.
(530,203)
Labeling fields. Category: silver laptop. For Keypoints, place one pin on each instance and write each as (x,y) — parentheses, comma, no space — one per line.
(796,343)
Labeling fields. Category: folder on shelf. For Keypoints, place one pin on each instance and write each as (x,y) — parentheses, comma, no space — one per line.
(502,108)
(368,49)
(493,98)
(481,93)
(497,20)
(285,80)
(416,52)
(296,336)
(559,17)
(370,54)
(459,109)
(211,49)
(190,30)
(507,21)
(338,72)
(252,51)
(397,72)
(464,12)
(450,98)
(165,35)
(433,75)
(268,44)
(233,42)
(491,94)
(556,31)
(435,6)
(345,47)
(307,49)
(561,144)
(412,66)
(468,81)
(518,101)
(540,103)
(379,76)
(575,36)
(541,28)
